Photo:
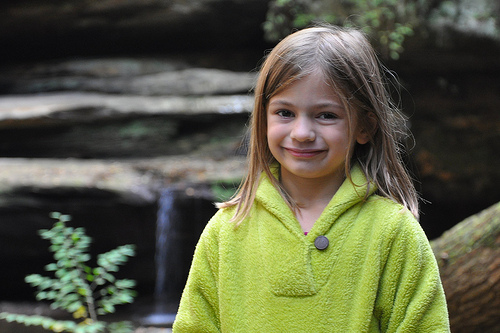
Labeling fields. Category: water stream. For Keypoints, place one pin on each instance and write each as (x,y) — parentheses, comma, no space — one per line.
(160,316)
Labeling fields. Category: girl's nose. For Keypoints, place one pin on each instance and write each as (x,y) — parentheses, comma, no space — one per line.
(303,130)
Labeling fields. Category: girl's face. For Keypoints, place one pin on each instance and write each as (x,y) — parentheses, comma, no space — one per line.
(308,131)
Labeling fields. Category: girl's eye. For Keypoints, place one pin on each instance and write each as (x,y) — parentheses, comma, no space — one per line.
(328,116)
(284,113)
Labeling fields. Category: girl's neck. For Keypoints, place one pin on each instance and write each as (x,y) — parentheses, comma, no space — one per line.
(308,191)
(310,195)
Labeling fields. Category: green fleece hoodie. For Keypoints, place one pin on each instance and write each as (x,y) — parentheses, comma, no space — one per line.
(378,273)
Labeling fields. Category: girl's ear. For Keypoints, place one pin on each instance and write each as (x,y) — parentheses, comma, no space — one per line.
(366,132)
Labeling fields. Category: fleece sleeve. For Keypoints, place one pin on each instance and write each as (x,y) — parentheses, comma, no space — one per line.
(411,297)
(198,309)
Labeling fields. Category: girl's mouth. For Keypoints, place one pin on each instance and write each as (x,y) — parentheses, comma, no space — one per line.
(304,153)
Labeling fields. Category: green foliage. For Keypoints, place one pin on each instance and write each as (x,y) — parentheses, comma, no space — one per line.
(283,16)
(384,19)
(83,291)
(388,21)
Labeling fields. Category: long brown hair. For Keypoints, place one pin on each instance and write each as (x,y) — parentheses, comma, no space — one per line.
(350,65)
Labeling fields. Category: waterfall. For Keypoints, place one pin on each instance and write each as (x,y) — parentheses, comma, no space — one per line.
(163,231)
(163,224)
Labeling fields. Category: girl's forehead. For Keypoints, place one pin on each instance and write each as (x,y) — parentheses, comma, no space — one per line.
(316,78)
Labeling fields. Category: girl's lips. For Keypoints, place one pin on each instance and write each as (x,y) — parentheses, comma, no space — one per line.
(304,153)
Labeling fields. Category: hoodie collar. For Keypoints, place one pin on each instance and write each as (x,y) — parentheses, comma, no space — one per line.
(351,192)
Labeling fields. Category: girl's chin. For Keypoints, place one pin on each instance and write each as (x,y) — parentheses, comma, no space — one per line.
(308,172)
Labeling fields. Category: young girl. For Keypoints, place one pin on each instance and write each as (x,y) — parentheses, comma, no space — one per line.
(322,235)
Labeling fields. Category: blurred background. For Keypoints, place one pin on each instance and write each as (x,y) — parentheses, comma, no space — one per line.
(112,110)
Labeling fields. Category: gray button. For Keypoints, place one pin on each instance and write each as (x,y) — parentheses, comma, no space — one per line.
(321,242)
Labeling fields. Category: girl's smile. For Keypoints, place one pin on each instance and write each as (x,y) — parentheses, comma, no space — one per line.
(308,131)
(304,153)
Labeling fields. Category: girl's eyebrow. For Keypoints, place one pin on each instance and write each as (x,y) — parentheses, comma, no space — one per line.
(317,105)
(281,102)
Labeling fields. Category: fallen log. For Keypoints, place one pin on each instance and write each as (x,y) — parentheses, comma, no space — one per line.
(469,260)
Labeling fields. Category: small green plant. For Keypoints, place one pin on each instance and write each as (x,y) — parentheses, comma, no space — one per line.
(77,288)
